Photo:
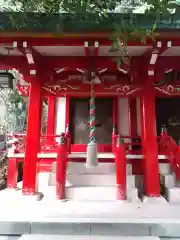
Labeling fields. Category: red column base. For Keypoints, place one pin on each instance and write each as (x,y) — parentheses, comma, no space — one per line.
(155,195)
(60,191)
(114,139)
(12,173)
(28,192)
(120,193)
(61,172)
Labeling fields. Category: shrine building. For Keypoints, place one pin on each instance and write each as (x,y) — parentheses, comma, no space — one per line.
(112,131)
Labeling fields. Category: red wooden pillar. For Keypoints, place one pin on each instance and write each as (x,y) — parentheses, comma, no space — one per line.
(51,119)
(12,173)
(32,139)
(61,169)
(132,117)
(120,160)
(149,141)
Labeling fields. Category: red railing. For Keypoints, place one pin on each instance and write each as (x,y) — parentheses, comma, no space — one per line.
(48,143)
(168,146)
(132,143)
(62,156)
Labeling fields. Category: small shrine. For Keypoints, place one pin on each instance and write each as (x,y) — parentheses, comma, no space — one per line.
(105,138)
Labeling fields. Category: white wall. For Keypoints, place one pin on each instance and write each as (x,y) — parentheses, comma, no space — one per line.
(123,116)
(60,115)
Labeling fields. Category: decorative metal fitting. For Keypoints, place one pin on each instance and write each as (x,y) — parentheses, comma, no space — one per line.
(119,140)
(62,138)
(114,128)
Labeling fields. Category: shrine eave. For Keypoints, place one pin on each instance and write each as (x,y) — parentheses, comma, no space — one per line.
(65,23)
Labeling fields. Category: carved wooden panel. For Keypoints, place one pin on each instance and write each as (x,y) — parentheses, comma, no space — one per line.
(80,121)
(104,108)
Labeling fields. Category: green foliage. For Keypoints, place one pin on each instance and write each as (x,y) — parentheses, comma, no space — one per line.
(15,107)
(15,97)
(90,6)
(56,6)
(129,32)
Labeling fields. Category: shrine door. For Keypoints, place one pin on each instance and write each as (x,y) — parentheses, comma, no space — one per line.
(80,120)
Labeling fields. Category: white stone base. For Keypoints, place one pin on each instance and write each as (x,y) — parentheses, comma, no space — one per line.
(91,180)
(164,168)
(11,195)
(154,200)
(90,193)
(173,194)
(42,180)
(168,180)
(102,168)
(132,195)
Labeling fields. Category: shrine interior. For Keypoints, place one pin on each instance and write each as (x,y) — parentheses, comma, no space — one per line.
(168,114)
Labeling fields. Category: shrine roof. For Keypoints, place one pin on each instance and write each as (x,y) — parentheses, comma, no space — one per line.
(79,23)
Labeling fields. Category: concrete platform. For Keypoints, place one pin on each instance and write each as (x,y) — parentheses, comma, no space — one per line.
(19,216)
(71,237)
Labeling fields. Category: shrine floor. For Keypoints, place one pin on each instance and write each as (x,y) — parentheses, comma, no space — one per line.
(23,215)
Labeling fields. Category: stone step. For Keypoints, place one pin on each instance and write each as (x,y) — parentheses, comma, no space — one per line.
(91,194)
(102,168)
(91,180)
(172,194)
(83,237)
(168,180)
(165,168)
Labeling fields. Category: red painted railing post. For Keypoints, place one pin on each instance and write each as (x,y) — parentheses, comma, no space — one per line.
(12,173)
(120,159)
(61,169)
(114,138)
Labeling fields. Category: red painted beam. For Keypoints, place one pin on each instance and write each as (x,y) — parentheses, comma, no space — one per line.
(77,41)
(70,41)
(99,90)
(50,62)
